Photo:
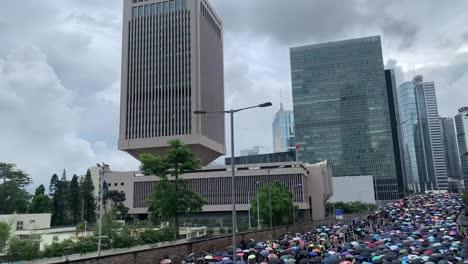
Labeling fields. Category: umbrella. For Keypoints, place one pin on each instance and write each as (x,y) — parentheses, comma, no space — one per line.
(209,257)
(272,256)
(166,261)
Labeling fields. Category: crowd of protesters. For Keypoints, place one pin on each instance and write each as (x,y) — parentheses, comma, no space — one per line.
(417,229)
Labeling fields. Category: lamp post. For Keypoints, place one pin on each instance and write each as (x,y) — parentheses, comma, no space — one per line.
(248,202)
(269,198)
(294,213)
(102,171)
(233,190)
(258,207)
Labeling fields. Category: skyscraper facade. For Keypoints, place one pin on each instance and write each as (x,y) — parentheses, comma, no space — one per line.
(452,154)
(172,64)
(423,139)
(283,130)
(461,124)
(342,111)
(436,178)
(413,150)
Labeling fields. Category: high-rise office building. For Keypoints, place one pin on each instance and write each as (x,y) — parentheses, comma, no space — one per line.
(461,124)
(283,130)
(343,112)
(452,154)
(413,150)
(436,177)
(423,140)
(172,64)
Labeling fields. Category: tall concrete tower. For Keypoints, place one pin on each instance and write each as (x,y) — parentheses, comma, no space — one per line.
(172,64)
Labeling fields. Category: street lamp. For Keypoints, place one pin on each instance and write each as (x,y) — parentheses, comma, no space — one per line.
(294,215)
(258,206)
(269,197)
(233,191)
(102,171)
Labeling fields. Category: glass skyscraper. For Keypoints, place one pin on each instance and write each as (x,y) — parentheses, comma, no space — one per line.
(283,130)
(342,111)
(452,154)
(423,140)
(461,123)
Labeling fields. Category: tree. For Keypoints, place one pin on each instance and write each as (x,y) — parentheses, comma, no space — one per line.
(41,203)
(281,204)
(12,189)
(89,201)
(116,200)
(171,195)
(74,199)
(20,250)
(4,235)
(59,190)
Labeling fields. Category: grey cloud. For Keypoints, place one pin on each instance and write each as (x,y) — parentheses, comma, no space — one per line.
(404,31)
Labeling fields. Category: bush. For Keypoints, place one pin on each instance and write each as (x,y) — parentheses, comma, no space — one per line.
(222,230)
(351,207)
(58,249)
(21,250)
(229,230)
(4,234)
(86,245)
(210,231)
(123,239)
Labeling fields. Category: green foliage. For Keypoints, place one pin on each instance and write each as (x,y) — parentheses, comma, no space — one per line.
(281,204)
(60,205)
(116,200)
(465,197)
(21,250)
(229,230)
(57,249)
(69,247)
(171,196)
(88,199)
(74,200)
(222,230)
(4,234)
(41,202)
(86,244)
(12,189)
(351,207)
(123,238)
(210,231)
(151,236)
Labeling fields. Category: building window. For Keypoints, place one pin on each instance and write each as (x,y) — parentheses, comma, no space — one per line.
(146,10)
(19,225)
(159,8)
(115,184)
(122,184)
(153,9)
(134,12)
(172,5)
(110,184)
(32,221)
(166,6)
(140,11)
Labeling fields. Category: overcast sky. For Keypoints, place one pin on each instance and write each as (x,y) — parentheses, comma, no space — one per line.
(60,67)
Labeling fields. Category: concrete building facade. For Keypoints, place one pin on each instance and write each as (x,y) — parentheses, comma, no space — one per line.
(310,184)
(343,111)
(461,124)
(172,65)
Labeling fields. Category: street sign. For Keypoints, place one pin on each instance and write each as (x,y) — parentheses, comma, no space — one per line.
(339,213)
